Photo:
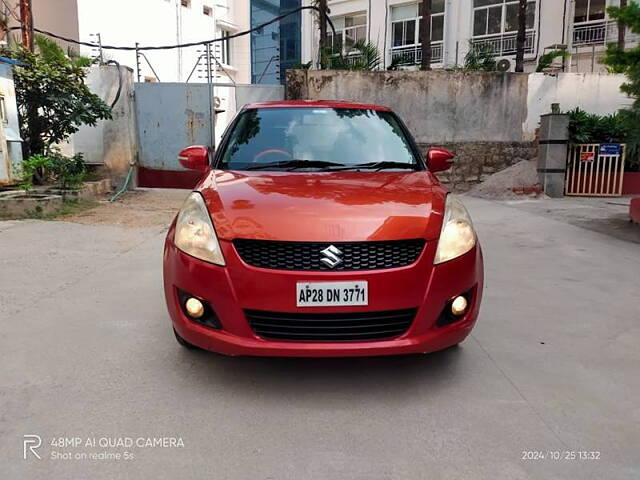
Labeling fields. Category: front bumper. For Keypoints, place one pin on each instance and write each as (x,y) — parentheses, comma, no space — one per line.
(237,287)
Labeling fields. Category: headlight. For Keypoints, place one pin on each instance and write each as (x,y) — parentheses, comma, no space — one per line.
(457,236)
(194,231)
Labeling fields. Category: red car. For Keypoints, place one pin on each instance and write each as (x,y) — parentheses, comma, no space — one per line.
(319,229)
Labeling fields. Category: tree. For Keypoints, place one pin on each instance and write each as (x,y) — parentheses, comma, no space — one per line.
(546,60)
(621,28)
(322,18)
(624,61)
(53,100)
(368,58)
(480,58)
(522,35)
(425,34)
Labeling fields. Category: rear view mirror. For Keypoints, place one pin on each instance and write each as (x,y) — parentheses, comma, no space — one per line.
(439,159)
(194,158)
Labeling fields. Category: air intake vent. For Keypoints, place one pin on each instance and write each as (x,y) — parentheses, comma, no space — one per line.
(330,327)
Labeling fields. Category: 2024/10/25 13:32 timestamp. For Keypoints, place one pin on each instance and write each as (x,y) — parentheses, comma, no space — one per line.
(560,455)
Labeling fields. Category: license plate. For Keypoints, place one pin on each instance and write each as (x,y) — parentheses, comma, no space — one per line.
(331,294)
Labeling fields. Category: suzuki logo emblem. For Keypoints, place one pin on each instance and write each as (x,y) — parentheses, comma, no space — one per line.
(331,258)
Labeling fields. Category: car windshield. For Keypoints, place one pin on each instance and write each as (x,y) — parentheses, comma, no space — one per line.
(317,138)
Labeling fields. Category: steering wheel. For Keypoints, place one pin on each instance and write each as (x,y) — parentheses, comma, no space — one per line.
(271,151)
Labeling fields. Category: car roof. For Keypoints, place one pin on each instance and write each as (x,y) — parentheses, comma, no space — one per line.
(317,104)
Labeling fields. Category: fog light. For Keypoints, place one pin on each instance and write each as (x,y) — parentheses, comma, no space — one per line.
(194,307)
(459,305)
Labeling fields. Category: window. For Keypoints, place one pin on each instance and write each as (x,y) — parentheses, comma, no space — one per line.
(185,3)
(346,136)
(493,17)
(349,30)
(208,11)
(3,110)
(405,23)
(589,10)
(275,47)
(223,49)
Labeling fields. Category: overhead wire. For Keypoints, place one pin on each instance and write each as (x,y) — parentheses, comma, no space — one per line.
(181,45)
(11,11)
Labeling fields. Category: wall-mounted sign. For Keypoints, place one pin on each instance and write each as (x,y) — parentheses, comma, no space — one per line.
(587,156)
(610,149)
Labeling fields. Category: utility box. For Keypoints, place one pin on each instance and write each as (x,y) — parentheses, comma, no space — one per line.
(552,156)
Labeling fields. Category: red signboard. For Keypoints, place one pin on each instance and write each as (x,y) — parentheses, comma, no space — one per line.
(587,156)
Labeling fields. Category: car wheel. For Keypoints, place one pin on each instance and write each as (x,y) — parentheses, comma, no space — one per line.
(183,342)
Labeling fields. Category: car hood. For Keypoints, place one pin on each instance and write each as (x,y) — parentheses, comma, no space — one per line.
(324,206)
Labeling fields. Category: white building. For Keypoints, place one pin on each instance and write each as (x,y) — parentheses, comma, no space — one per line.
(163,22)
(582,26)
(257,58)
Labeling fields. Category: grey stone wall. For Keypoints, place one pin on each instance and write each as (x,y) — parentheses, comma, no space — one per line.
(475,161)
(437,106)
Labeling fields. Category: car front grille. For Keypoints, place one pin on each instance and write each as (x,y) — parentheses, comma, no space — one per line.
(330,327)
(307,256)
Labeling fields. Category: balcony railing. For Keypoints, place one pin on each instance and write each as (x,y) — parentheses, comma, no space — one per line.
(589,34)
(412,55)
(506,44)
(352,57)
(599,33)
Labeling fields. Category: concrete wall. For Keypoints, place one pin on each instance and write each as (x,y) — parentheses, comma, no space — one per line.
(437,106)
(111,143)
(443,107)
(594,93)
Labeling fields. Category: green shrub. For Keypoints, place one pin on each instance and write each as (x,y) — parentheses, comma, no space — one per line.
(480,58)
(69,172)
(547,59)
(57,169)
(27,170)
(592,128)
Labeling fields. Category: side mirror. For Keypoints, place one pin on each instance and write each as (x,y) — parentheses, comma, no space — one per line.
(194,158)
(439,159)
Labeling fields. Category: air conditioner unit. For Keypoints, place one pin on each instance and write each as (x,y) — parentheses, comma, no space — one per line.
(504,65)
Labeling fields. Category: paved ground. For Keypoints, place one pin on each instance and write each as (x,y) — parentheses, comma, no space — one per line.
(604,214)
(87,352)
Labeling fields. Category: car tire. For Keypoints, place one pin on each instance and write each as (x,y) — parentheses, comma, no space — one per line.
(183,342)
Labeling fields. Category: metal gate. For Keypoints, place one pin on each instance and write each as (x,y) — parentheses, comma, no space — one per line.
(172,116)
(595,170)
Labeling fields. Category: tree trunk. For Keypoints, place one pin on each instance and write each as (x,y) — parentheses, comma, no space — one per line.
(322,14)
(621,28)
(26,20)
(522,35)
(425,33)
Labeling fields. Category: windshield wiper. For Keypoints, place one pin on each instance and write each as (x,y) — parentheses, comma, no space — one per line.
(386,165)
(295,164)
